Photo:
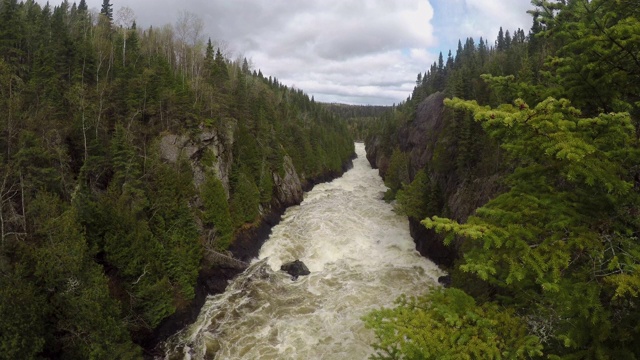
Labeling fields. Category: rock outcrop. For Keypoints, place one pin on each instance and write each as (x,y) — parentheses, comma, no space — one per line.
(295,268)
(424,139)
(209,151)
(288,187)
(419,137)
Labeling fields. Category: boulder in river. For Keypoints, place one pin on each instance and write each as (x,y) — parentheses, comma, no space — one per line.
(295,269)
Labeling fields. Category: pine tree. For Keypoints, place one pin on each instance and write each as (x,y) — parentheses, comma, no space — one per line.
(107,9)
(459,51)
(482,52)
(397,174)
(216,211)
(507,40)
(413,198)
(597,61)
(245,66)
(220,70)
(533,239)
(62,262)
(448,324)
(209,56)
(23,309)
(449,65)
(266,185)
(500,42)
(245,201)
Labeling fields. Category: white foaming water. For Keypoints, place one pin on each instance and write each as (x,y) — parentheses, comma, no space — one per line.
(361,257)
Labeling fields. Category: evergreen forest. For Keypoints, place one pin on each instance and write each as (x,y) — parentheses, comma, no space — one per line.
(104,223)
(127,155)
(549,266)
(357,117)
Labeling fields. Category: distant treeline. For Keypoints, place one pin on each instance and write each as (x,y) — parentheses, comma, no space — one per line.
(358,116)
(347,111)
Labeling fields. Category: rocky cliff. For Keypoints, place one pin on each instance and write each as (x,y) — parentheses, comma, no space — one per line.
(210,144)
(210,152)
(429,138)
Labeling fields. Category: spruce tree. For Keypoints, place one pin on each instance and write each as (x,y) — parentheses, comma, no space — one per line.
(448,324)
(220,70)
(209,55)
(397,174)
(216,211)
(107,9)
(535,240)
(500,42)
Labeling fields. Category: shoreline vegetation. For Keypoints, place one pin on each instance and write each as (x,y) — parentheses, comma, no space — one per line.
(517,163)
(127,154)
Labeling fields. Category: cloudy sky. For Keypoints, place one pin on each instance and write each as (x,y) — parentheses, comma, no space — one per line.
(350,51)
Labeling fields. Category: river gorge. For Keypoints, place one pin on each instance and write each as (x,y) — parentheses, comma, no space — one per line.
(361,257)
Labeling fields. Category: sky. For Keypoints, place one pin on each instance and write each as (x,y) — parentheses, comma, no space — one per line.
(347,51)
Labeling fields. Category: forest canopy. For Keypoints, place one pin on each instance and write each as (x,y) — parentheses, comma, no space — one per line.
(102,234)
(555,115)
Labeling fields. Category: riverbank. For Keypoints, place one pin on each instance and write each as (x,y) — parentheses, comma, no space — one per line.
(214,280)
(360,255)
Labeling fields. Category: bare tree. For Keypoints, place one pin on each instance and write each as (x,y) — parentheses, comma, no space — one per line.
(105,52)
(188,30)
(190,40)
(125,18)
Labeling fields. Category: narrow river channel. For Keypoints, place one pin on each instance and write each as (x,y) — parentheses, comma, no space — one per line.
(361,257)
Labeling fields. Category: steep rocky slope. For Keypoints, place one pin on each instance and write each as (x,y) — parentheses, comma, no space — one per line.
(429,139)
(214,275)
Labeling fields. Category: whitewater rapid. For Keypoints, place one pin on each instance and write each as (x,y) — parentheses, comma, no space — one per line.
(361,257)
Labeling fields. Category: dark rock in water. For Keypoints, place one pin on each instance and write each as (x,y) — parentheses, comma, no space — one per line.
(445,280)
(295,269)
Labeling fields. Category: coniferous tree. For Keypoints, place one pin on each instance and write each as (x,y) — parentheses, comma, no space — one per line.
(107,9)
(500,42)
(220,70)
(245,200)
(397,173)
(422,328)
(99,237)
(209,56)
(565,169)
(216,211)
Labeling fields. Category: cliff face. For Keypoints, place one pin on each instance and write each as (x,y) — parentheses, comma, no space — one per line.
(211,152)
(418,137)
(429,141)
(288,187)
(209,143)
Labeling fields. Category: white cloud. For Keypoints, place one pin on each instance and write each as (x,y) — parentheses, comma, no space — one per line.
(459,19)
(357,51)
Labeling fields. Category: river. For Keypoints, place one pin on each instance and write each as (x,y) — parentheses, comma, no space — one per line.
(361,257)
